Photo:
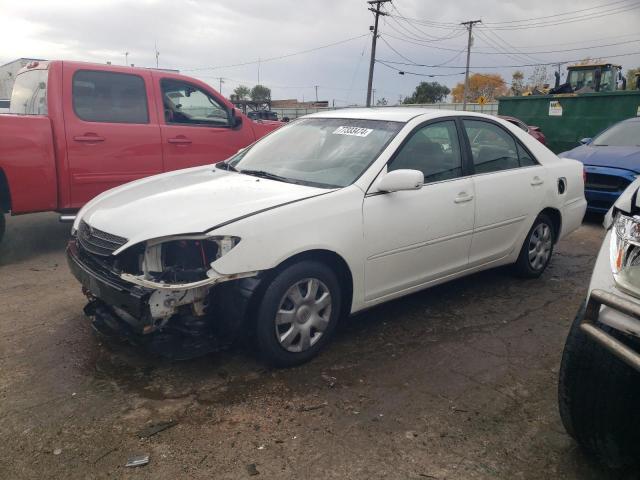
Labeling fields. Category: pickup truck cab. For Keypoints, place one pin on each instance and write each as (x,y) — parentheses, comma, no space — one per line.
(77,129)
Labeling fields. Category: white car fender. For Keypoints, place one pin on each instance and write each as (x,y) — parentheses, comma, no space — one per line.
(331,222)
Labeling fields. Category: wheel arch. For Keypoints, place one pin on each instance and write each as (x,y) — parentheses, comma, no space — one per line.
(336,262)
(556,217)
(5,193)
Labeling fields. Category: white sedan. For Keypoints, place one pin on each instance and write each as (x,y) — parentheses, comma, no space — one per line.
(334,213)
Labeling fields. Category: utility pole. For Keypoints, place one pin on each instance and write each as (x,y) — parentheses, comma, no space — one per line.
(469,26)
(221,82)
(316,87)
(377,12)
(126,58)
(157,53)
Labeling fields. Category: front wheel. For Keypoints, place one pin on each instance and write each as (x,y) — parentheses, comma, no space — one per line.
(298,313)
(598,398)
(537,248)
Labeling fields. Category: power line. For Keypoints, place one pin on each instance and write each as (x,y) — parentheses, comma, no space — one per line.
(559,14)
(405,72)
(280,57)
(629,54)
(532,22)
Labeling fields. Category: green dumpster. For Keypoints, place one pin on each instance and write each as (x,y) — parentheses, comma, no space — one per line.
(566,118)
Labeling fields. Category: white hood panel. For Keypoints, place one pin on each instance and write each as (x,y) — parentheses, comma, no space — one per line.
(189,201)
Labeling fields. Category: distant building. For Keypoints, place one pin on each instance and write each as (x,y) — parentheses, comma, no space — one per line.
(8,73)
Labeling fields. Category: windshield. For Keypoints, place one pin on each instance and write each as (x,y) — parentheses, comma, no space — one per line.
(624,134)
(323,152)
(29,96)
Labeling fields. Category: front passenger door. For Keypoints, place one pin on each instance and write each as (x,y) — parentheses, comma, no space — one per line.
(414,237)
(197,127)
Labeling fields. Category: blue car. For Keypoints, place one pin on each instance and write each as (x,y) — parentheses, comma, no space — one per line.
(611,162)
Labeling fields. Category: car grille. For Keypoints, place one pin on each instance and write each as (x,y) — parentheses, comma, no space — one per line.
(98,242)
(605,183)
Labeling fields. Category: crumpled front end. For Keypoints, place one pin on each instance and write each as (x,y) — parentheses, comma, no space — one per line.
(156,286)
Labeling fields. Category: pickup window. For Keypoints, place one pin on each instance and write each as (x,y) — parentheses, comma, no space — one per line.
(29,95)
(109,97)
(187,104)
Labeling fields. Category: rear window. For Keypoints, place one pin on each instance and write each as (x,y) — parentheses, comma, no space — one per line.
(109,97)
(29,96)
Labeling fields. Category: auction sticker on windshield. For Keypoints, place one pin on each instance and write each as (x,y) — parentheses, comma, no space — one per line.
(355,131)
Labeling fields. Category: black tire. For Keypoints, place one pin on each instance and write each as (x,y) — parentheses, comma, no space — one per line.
(598,398)
(523,267)
(268,344)
(2,226)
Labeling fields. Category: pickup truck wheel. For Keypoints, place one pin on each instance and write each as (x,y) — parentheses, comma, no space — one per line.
(598,398)
(298,313)
(2,225)
(537,248)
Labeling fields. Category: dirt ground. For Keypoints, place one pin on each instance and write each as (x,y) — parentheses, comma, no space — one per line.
(456,382)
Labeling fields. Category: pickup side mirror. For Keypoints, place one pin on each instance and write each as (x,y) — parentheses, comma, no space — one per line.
(398,180)
(586,141)
(236,118)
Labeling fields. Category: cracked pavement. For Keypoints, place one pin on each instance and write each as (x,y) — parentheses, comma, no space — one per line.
(455,382)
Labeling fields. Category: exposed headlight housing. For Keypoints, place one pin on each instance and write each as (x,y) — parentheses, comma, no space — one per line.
(625,253)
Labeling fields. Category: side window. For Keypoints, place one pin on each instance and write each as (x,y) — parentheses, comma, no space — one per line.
(492,148)
(109,97)
(187,104)
(526,160)
(434,150)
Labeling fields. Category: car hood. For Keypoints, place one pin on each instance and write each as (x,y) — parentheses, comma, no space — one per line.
(616,157)
(188,201)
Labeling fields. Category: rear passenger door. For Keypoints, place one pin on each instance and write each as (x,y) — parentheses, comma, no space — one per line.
(112,132)
(509,190)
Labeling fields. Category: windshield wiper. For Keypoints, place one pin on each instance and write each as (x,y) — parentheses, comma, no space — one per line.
(270,176)
(226,166)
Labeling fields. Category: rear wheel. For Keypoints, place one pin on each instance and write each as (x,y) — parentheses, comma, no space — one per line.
(537,248)
(598,397)
(298,313)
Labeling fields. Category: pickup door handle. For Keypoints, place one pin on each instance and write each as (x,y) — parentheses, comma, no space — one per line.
(463,197)
(88,138)
(535,181)
(179,140)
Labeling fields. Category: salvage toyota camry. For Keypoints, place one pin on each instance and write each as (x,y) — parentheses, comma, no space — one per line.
(329,215)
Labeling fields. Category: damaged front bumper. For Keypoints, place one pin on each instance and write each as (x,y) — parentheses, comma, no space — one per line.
(134,306)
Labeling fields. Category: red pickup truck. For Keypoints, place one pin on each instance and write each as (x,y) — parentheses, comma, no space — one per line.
(77,129)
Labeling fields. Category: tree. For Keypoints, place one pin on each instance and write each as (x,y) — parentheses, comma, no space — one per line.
(260,93)
(241,92)
(632,79)
(382,102)
(489,86)
(517,83)
(428,92)
(538,77)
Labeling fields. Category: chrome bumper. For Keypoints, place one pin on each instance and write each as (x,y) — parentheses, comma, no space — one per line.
(589,324)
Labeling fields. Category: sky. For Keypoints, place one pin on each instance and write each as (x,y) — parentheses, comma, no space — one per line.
(207,39)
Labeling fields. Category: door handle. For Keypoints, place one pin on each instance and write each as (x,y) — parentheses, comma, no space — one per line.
(463,197)
(536,181)
(89,138)
(179,141)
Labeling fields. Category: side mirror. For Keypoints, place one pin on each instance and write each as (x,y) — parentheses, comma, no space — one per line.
(236,118)
(398,180)
(586,141)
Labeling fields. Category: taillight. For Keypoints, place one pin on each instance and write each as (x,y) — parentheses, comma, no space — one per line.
(584,175)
